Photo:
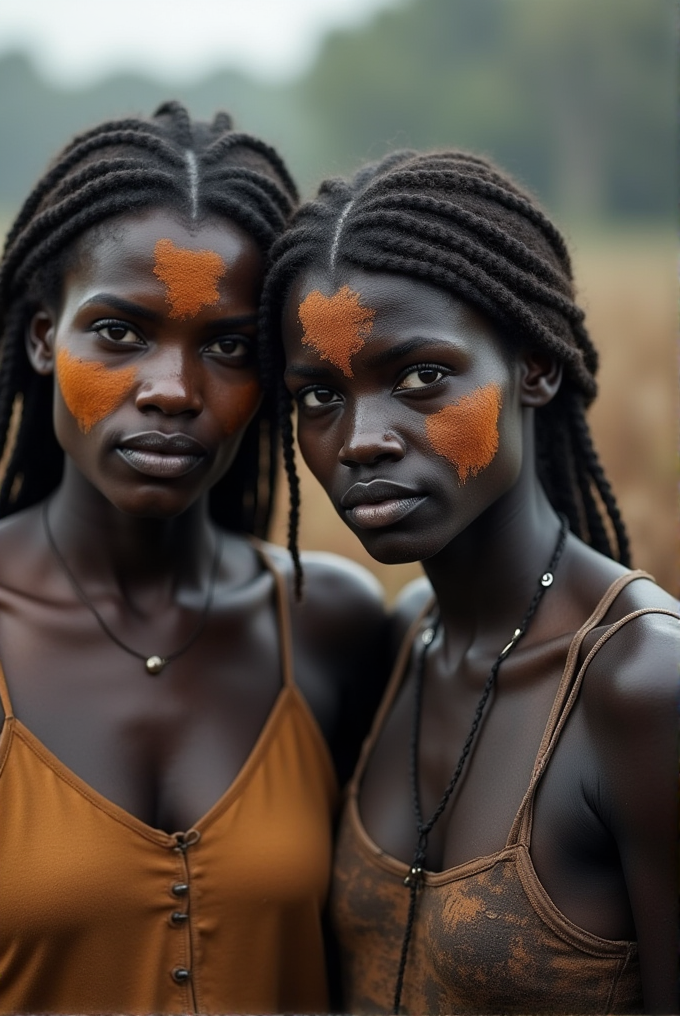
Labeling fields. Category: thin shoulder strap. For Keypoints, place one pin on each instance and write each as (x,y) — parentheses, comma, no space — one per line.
(568,692)
(393,686)
(282,611)
(4,696)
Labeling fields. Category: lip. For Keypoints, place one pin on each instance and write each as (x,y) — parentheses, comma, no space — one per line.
(379,503)
(164,456)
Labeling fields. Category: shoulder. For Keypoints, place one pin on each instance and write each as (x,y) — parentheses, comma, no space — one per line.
(342,613)
(336,590)
(630,692)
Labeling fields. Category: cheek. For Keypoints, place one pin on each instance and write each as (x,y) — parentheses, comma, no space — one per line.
(466,432)
(90,390)
(238,408)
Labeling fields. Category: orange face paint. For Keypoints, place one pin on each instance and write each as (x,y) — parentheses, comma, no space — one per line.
(90,389)
(190,277)
(240,405)
(336,326)
(466,432)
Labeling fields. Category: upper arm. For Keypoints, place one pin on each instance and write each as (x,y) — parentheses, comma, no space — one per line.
(344,651)
(631,707)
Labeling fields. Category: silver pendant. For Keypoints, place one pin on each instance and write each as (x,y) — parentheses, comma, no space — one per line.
(154,664)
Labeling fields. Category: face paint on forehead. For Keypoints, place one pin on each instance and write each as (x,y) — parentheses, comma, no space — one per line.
(90,389)
(190,277)
(336,326)
(466,432)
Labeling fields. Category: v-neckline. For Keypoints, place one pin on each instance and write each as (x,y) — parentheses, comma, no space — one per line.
(15,727)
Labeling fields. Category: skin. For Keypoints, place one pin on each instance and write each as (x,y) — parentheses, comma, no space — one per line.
(604,833)
(133,526)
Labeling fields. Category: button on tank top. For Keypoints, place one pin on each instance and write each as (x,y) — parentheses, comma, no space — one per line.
(101,913)
(487,937)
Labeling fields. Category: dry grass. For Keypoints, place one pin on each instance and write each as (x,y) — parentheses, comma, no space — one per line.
(627,286)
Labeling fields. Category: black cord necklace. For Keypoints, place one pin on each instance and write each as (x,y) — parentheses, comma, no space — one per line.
(414,877)
(155,663)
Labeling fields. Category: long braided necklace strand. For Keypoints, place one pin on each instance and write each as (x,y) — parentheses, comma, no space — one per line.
(414,877)
(155,663)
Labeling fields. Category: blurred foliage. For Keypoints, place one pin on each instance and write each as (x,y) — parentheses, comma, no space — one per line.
(576,97)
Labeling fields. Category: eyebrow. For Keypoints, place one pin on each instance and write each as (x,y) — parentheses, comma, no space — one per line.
(134,309)
(381,357)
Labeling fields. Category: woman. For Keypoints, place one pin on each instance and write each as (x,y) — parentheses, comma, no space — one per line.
(508,842)
(166,791)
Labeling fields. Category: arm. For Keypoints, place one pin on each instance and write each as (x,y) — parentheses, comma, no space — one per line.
(632,711)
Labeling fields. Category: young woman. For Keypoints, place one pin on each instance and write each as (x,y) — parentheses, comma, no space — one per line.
(166,791)
(508,841)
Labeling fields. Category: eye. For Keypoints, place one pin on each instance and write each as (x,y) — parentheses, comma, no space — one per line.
(421,377)
(315,398)
(232,347)
(118,332)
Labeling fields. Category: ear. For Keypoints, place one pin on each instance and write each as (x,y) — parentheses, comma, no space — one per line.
(40,342)
(540,378)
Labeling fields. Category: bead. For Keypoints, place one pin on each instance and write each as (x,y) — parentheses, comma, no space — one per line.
(427,636)
(547,579)
(180,975)
(179,889)
(155,664)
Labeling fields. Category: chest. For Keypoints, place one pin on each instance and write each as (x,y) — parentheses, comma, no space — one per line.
(494,775)
(163,747)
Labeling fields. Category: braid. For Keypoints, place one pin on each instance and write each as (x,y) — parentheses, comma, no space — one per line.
(456,221)
(169,161)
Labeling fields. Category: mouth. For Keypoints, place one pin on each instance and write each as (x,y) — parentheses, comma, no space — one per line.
(165,456)
(379,503)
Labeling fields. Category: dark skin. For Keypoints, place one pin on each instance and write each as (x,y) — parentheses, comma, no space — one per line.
(141,544)
(604,835)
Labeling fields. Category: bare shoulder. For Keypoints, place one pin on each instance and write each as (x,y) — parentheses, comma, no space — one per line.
(633,677)
(340,598)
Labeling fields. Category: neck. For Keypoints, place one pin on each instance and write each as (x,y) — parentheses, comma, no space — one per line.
(485,578)
(104,546)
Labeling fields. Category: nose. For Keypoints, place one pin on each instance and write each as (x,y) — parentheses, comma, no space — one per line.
(367,439)
(170,384)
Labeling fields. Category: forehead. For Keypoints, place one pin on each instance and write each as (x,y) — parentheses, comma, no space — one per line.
(402,305)
(123,250)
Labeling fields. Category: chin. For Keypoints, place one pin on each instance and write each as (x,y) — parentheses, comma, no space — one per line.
(153,504)
(399,548)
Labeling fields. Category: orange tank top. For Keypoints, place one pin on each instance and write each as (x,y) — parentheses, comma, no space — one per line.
(487,937)
(101,913)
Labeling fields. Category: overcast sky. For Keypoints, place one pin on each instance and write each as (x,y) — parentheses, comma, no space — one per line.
(75,42)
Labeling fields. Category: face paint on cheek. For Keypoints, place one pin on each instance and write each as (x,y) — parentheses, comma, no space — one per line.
(190,277)
(466,432)
(336,326)
(240,406)
(90,389)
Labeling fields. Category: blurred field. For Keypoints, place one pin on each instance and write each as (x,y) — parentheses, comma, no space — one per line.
(627,286)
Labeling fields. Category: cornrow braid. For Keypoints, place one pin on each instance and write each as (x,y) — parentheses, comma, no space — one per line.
(457,221)
(171,162)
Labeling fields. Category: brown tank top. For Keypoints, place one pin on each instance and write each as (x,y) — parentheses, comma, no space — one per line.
(101,913)
(487,937)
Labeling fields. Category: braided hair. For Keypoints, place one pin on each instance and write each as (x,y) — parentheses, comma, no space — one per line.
(455,220)
(169,162)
